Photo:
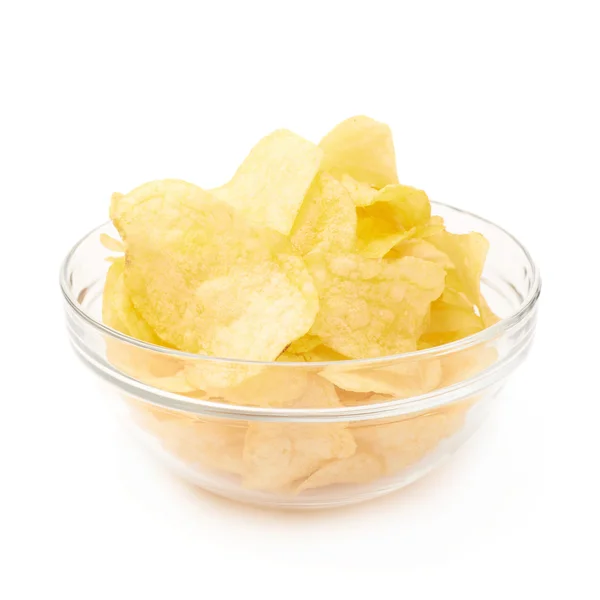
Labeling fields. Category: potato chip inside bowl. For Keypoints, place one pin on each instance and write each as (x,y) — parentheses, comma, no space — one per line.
(313,332)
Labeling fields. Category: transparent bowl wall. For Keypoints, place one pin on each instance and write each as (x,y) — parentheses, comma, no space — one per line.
(304,435)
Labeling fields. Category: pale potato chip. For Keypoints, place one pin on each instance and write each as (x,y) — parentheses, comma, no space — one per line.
(151,368)
(361,148)
(402,443)
(487,314)
(401,380)
(327,218)
(463,365)
(362,467)
(169,192)
(362,194)
(372,307)
(277,454)
(467,252)
(110,243)
(420,248)
(271,183)
(277,387)
(209,282)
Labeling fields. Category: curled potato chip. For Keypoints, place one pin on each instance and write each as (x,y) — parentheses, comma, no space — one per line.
(396,212)
(361,148)
(306,343)
(147,366)
(372,307)
(110,243)
(467,252)
(377,235)
(277,454)
(271,183)
(327,218)
(420,248)
(401,380)
(209,282)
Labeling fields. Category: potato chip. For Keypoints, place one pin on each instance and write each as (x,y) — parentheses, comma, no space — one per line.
(209,443)
(168,192)
(271,183)
(402,443)
(275,387)
(401,380)
(277,454)
(110,243)
(397,212)
(327,218)
(423,249)
(460,366)
(467,252)
(377,235)
(362,467)
(361,148)
(306,343)
(209,282)
(362,194)
(151,368)
(372,307)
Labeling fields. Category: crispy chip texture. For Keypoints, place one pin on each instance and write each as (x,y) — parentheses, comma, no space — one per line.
(467,253)
(277,454)
(362,148)
(152,368)
(395,213)
(372,307)
(271,183)
(401,380)
(327,218)
(209,282)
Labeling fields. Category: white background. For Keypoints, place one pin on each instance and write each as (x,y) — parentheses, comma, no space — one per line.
(495,108)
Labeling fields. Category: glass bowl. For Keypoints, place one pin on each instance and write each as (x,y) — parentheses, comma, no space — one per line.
(299,434)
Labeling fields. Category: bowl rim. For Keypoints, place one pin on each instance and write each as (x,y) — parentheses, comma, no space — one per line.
(527,305)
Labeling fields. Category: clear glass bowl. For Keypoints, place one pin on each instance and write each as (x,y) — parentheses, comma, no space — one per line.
(307,435)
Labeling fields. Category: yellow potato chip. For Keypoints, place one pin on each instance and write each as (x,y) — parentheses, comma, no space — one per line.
(401,380)
(362,148)
(306,343)
(402,443)
(377,235)
(168,192)
(327,218)
(372,307)
(110,243)
(271,183)
(273,387)
(151,368)
(362,194)
(460,366)
(420,248)
(397,212)
(277,454)
(209,282)
(362,467)
(467,252)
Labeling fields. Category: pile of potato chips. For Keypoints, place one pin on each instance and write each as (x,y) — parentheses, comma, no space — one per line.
(311,253)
